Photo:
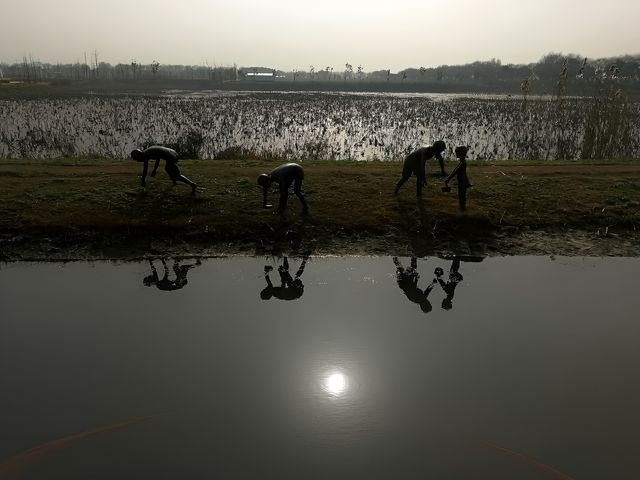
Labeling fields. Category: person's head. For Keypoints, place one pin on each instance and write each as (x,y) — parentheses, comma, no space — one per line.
(264,180)
(439,146)
(461,152)
(425,306)
(266,293)
(438,272)
(137,155)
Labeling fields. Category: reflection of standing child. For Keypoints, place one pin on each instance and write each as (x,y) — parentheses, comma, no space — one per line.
(460,171)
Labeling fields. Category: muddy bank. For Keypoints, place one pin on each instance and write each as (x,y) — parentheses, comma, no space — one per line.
(94,208)
(75,244)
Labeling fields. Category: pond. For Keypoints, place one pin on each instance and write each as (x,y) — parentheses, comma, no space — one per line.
(321,367)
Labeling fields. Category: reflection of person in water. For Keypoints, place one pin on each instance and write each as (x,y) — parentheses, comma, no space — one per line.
(290,288)
(408,282)
(164,283)
(449,287)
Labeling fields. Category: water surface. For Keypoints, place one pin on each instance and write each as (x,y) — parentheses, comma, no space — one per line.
(354,367)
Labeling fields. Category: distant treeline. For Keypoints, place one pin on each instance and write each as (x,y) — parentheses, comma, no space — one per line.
(553,74)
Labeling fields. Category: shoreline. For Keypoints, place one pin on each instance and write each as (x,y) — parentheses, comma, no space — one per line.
(89,209)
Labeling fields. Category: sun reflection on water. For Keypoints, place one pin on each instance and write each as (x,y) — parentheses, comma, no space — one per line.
(336,383)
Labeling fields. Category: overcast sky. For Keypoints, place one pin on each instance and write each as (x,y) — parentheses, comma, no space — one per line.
(294,34)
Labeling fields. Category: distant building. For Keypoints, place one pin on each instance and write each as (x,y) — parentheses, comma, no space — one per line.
(260,75)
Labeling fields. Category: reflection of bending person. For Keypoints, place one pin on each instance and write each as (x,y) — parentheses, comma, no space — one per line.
(408,282)
(164,283)
(290,288)
(449,287)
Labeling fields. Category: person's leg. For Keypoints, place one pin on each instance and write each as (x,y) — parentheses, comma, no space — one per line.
(402,182)
(184,179)
(174,173)
(407,171)
(420,180)
(462,197)
(297,186)
(284,196)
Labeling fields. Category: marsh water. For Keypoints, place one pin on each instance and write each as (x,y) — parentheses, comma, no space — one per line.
(302,125)
(356,367)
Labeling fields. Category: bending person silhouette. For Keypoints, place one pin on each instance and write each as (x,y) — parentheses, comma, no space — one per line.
(170,157)
(164,283)
(284,176)
(290,288)
(407,279)
(449,287)
(414,164)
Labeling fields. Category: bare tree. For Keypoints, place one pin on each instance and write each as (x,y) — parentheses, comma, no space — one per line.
(95,63)
(348,71)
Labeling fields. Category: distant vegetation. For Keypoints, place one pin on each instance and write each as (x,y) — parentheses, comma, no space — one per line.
(542,77)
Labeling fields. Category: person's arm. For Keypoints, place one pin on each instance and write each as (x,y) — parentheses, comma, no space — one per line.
(421,169)
(452,174)
(144,172)
(441,162)
(427,290)
(265,189)
(155,167)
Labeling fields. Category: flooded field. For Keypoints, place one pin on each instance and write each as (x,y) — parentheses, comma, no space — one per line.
(298,126)
(354,367)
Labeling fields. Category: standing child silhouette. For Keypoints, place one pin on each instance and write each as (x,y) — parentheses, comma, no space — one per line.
(460,172)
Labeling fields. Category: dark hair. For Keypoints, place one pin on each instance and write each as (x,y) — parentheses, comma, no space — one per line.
(439,146)
(263,180)
(461,151)
(137,155)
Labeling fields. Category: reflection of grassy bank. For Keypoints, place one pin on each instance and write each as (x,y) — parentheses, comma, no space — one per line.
(90,207)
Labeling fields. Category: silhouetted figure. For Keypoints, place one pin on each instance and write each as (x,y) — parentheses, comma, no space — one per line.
(290,288)
(170,157)
(407,279)
(460,172)
(414,163)
(450,286)
(164,283)
(284,176)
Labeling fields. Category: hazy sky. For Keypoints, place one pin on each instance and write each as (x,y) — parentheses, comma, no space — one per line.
(294,34)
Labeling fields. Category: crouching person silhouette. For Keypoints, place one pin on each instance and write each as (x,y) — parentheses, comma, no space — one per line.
(290,288)
(284,176)
(414,164)
(170,157)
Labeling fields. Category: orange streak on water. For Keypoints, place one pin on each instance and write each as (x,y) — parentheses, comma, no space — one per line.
(19,461)
(546,469)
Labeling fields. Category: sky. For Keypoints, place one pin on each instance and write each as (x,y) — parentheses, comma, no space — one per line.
(295,34)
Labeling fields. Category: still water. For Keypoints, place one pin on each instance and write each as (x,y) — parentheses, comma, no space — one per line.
(515,368)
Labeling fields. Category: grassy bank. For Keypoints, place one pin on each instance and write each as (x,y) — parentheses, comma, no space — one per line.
(81,208)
